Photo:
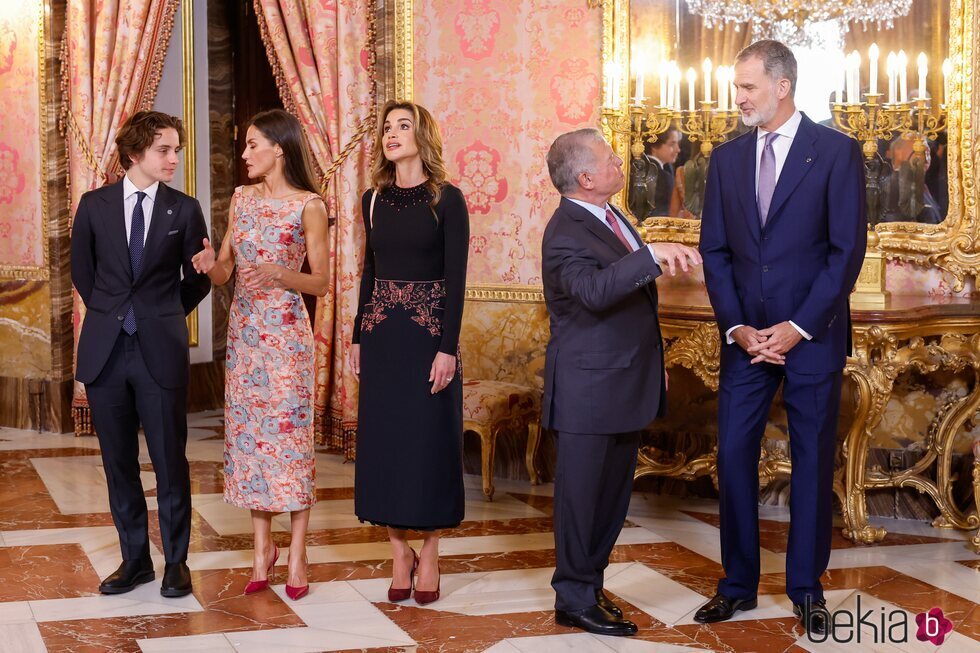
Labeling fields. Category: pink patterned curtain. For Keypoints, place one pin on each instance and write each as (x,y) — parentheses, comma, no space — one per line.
(321,52)
(112,61)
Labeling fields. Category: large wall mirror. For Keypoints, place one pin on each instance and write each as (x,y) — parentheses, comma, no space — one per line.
(894,74)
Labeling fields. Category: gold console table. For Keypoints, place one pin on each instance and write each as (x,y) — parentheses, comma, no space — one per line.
(909,333)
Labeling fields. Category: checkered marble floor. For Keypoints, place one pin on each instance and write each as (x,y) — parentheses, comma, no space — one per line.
(57,541)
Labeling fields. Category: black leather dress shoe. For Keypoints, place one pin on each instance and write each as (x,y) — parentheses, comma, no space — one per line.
(595,620)
(813,616)
(722,608)
(129,576)
(606,604)
(176,580)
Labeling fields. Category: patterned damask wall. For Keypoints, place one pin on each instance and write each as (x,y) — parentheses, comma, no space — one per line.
(504,78)
(25,317)
(21,219)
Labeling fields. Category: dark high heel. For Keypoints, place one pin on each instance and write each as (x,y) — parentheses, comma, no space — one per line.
(259,585)
(398,594)
(423,597)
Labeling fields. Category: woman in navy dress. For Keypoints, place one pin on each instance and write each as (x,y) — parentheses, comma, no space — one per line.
(409,473)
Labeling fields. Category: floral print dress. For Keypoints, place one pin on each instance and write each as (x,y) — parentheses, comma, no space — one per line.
(269,456)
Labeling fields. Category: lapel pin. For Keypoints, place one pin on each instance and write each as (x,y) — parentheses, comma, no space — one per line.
(170,211)
(808,159)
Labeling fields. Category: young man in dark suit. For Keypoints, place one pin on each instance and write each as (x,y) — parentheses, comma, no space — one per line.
(604,373)
(130,242)
(783,235)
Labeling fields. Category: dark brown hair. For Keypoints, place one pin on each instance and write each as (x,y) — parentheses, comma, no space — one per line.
(284,130)
(429,141)
(138,132)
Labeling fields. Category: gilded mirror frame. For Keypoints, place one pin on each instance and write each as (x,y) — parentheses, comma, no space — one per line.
(951,246)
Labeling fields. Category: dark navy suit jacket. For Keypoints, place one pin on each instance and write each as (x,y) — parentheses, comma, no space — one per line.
(102,274)
(803,264)
(604,363)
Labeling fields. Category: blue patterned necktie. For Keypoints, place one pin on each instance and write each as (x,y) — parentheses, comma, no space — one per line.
(767,177)
(136,231)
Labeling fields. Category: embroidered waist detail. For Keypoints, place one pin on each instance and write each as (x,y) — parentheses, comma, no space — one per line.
(420,298)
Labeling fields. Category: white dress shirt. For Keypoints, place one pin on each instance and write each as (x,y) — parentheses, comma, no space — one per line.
(129,204)
(600,214)
(780,148)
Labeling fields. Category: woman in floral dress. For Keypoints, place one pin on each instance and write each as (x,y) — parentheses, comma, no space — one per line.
(273,225)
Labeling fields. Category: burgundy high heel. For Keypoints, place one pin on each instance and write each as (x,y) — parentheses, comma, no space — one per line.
(423,597)
(259,585)
(396,594)
(296,592)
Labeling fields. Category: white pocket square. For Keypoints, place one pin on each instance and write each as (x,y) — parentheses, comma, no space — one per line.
(175,231)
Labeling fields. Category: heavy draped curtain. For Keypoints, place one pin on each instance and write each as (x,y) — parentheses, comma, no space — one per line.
(111,65)
(321,52)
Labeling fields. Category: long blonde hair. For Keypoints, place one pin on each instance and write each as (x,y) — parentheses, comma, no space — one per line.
(429,141)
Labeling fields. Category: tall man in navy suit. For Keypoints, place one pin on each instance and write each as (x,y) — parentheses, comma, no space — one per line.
(604,375)
(783,235)
(129,243)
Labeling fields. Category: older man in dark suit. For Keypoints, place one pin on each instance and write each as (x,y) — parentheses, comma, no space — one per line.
(129,243)
(604,374)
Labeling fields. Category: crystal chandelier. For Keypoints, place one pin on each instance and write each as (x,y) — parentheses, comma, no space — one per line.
(787,20)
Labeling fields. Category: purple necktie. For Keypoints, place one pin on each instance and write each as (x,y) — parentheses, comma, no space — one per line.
(767,177)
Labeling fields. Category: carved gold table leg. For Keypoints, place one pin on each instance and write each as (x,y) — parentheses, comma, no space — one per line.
(855,449)
(533,440)
(975,542)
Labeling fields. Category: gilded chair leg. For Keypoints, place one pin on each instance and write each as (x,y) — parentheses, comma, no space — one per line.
(533,440)
(488,438)
(975,541)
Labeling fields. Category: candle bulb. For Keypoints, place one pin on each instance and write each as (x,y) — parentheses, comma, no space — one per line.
(663,83)
(891,65)
(873,64)
(947,72)
(849,67)
(721,75)
(903,80)
(923,70)
(706,67)
(691,78)
(638,98)
(677,87)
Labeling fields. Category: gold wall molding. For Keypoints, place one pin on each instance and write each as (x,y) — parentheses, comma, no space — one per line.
(190,129)
(952,246)
(505,293)
(39,272)
(404,49)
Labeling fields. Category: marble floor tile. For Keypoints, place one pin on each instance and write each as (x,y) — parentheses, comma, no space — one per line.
(189,644)
(23,637)
(142,601)
(57,541)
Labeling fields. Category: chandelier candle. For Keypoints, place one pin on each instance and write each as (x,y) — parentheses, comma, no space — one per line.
(873,63)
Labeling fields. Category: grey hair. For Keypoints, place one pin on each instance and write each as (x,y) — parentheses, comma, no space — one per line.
(777,59)
(570,155)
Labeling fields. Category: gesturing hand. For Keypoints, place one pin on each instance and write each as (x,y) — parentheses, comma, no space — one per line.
(203,261)
(675,255)
(442,371)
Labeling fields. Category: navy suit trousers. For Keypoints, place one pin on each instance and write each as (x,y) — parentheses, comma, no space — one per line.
(812,405)
(122,397)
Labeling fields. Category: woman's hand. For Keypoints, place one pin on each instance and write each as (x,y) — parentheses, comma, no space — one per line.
(442,371)
(263,276)
(204,260)
(355,360)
